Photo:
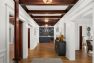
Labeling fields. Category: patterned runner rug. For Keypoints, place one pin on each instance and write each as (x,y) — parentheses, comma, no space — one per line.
(46,60)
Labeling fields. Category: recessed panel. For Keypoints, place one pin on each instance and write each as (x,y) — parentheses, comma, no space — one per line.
(46,18)
(46,14)
(46,7)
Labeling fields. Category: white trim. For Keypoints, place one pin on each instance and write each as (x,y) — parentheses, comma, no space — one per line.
(7,33)
(93,32)
(46,14)
(3,50)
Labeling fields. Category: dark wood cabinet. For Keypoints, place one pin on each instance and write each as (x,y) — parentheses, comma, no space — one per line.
(60,48)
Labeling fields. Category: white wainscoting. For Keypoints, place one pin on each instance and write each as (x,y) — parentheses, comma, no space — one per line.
(2,56)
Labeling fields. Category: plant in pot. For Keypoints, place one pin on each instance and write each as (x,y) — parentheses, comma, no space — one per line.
(61,38)
(58,39)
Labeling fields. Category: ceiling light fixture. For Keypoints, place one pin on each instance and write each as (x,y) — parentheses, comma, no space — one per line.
(46,20)
(47,1)
(46,25)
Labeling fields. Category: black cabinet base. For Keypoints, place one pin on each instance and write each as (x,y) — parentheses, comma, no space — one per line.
(60,48)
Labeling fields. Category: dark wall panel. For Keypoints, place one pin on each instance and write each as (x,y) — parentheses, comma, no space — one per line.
(46,34)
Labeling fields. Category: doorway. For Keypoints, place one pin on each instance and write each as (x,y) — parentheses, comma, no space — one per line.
(83,46)
(80,37)
(11,38)
(12,50)
(28,38)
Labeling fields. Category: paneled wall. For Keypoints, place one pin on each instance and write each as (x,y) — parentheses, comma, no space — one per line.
(11,33)
(2,56)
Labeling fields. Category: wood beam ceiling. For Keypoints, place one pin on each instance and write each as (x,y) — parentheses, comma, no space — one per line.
(69,3)
(55,2)
(50,22)
(42,23)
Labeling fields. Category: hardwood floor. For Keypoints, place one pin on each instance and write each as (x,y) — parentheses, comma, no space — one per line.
(46,50)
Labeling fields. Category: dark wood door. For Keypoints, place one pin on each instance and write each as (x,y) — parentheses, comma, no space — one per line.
(28,38)
(80,37)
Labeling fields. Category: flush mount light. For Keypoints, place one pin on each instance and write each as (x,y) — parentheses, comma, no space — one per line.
(46,20)
(46,25)
(47,1)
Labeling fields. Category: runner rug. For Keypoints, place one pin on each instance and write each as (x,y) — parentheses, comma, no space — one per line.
(47,60)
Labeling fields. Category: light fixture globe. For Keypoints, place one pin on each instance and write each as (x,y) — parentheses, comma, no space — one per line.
(47,1)
(46,20)
(46,25)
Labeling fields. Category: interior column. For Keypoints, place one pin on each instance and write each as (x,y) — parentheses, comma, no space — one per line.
(70,40)
(16,33)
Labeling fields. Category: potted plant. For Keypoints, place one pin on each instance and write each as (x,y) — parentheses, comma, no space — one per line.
(61,38)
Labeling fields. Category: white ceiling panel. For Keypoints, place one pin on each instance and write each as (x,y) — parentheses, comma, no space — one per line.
(46,7)
(46,18)
(46,14)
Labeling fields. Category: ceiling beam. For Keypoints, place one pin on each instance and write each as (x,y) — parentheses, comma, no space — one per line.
(24,6)
(50,21)
(47,23)
(43,23)
(47,11)
(46,16)
(69,7)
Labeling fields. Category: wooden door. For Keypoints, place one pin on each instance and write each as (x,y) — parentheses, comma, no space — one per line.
(28,38)
(80,37)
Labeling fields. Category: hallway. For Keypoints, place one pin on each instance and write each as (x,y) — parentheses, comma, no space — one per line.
(29,28)
(46,50)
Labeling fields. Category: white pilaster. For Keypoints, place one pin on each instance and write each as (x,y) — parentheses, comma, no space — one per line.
(70,40)
(76,36)
(93,31)
(25,40)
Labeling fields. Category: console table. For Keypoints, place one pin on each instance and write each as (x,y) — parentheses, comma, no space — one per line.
(60,48)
